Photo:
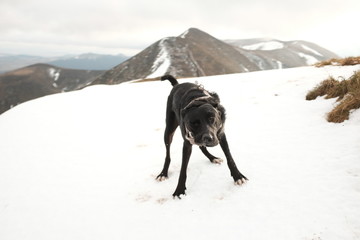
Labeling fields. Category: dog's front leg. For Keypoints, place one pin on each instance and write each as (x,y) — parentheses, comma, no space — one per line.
(239,178)
(181,187)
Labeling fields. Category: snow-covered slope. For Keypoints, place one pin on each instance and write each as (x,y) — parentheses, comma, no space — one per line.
(270,53)
(266,46)
(82,165)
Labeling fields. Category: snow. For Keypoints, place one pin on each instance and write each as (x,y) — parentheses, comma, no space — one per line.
(82,165)
(279,64)
(54,73)
(266,46)
(311,50)
(162,62)
(310,60)
(184,34)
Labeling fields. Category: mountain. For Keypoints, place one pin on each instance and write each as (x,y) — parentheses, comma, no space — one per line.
(40,80)
(193,53)
(88,61)
(12,62)
(275,54)
(196,53)
(82,165)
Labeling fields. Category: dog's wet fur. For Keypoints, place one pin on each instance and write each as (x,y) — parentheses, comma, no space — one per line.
(201,118)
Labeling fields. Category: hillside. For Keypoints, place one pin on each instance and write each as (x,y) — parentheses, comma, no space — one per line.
(82,165)
(196,53)
(275,54)
(40,80)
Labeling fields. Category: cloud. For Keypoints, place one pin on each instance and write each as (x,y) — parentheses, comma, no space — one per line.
(133,25)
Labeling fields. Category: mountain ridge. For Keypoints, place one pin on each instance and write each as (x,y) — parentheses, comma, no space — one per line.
(196,53)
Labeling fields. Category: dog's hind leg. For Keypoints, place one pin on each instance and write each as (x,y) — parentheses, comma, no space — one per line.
(212,158)
(171,125)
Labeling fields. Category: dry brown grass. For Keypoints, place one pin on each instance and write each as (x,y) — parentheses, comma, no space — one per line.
(322,89)
(342,111)
(339,62)
(347,92)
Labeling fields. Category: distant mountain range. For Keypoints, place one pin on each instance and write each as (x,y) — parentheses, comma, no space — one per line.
(274,54)
(40,80)
(196,53)
(88,61)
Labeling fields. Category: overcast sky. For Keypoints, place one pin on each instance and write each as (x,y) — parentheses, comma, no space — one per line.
(51,28)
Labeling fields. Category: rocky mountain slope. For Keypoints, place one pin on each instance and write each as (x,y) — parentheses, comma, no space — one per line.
(40,80)
(196,53)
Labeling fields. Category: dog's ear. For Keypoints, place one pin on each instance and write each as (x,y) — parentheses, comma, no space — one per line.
(222,111)
(183,112)
(215,102)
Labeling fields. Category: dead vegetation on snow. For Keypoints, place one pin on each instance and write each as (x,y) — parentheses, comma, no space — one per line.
(347,91)
(339,62)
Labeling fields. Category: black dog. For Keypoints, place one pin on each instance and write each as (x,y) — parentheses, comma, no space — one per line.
(201,119)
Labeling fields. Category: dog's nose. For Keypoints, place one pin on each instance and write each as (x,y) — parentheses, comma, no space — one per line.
(207,138)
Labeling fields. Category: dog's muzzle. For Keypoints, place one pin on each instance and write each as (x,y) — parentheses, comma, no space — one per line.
(206,140)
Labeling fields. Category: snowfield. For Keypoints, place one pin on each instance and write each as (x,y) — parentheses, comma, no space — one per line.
(82,165)
(267,46)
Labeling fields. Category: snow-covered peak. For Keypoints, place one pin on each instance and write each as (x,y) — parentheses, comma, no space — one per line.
(184,34)
(195,32)
(266,46)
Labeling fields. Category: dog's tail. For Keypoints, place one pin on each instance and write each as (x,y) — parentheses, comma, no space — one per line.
(170,78)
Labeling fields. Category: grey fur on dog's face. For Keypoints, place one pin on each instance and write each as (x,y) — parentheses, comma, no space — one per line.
(203,125)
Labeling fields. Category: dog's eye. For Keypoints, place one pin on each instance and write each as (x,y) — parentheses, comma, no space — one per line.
(195,123)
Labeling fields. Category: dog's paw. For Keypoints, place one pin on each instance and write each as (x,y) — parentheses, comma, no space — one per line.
(217,161)
(162,177)
(178,192)
(241,181)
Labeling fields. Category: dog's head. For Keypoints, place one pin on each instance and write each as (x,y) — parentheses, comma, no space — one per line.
(203,123)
